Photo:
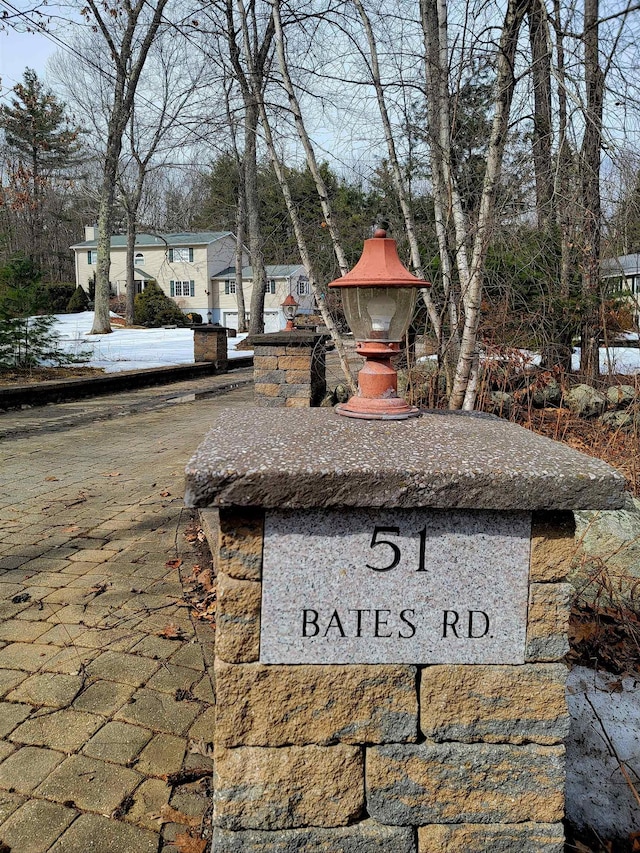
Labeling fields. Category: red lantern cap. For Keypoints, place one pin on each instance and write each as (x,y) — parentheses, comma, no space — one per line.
(289,301)
(379,266)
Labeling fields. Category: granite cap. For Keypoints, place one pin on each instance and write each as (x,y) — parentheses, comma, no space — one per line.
(306,458)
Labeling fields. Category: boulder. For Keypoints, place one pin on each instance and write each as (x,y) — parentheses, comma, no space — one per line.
(618,420)
(585,401)
(549,395)
(621,396)
(502,403)
(608,553)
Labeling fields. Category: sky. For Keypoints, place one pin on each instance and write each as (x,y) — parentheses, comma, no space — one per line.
(19,51)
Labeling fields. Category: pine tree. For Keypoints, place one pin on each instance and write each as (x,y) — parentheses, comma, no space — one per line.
(42,144)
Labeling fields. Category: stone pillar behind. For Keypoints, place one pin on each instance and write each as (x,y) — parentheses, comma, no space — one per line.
(210,344)
(387,757)
(289,369)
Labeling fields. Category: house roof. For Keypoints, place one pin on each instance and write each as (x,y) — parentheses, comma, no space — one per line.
(272,270)
(624,265)
(142,274)
(184,238)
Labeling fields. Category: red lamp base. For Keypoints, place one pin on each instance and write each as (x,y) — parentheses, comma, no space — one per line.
(377,399)
(388,409)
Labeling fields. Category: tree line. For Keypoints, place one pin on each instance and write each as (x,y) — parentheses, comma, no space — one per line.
(490,127)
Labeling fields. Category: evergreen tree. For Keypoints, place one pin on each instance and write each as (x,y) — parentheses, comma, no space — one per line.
(42,144)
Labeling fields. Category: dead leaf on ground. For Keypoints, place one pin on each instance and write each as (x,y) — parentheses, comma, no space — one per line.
(189,844)
(168,814)
(173,564)
(51,479)
(172,632)
(165,494)
(111,473)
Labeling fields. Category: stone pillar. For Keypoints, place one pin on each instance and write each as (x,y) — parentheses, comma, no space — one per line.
(289,369)
(391,627)
(210,344)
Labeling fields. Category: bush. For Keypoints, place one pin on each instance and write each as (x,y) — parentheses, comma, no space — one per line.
(57,295)
(194,317)
(153,308)
(79,301)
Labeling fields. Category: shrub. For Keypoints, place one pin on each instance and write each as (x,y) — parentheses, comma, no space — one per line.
(153,308)
(194,317)
(79,301)
(57,295)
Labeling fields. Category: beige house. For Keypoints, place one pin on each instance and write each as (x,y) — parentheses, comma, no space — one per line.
(183,265)
(282,280)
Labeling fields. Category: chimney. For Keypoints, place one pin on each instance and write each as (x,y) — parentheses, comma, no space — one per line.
(90,232)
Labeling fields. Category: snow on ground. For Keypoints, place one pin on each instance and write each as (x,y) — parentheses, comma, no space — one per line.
(614,359)
(130,349)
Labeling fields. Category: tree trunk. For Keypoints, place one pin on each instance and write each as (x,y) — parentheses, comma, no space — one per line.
(240,215)
(130,292)
(542,132)
(590,182)
(464,392)
(256,321)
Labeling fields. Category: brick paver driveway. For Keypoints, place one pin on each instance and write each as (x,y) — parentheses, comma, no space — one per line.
(98,704)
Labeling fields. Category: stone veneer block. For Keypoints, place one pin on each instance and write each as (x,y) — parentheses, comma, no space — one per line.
(281,705)
(458,783)
(237,619)
(553,546)
(548,621)
(287,788)
(442,459)
(363,837)
(240,544)
(495,704)
(492,838)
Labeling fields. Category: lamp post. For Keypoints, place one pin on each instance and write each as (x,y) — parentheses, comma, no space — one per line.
(378,297)
(289,309)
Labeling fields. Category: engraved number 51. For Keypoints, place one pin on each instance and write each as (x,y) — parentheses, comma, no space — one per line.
(377,540)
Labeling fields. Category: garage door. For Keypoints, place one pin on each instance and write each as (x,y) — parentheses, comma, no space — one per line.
(271,320)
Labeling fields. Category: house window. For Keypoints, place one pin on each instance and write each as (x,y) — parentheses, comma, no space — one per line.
(138,259)
(184,256)
(92,256)
(229,287)
(182,288)
(270,286)
(302,287)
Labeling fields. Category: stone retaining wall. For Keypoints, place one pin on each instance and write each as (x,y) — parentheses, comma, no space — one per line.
(381,758)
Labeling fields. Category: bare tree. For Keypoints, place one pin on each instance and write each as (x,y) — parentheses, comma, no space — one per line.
(249,35)
(128,31)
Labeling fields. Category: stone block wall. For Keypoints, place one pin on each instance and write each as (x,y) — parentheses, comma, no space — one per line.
(210,344)
(289,369)
(381,758)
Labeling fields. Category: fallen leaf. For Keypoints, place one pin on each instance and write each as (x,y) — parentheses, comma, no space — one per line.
(171,632)
(165,494)
(51,479)
(188,844)
(170,815)
(111,474)
(173,564)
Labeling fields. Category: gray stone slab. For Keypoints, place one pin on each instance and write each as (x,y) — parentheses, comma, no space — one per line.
(404,586)
(315,458)
(364,837)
